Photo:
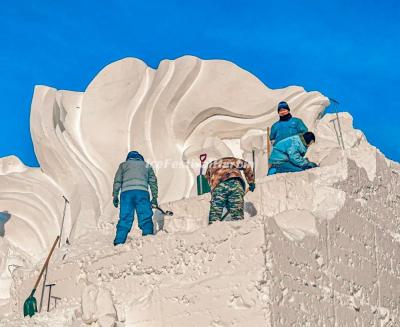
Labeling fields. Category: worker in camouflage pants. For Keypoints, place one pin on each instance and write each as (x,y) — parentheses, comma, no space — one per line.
(227,187)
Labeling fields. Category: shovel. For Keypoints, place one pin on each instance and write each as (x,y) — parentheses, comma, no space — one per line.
(30,304)
(202,183)
(167,212)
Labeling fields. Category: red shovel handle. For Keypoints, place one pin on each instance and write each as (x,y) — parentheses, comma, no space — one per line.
(203,157)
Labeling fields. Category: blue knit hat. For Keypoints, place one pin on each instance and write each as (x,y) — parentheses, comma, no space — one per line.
(283,105)
(134,155)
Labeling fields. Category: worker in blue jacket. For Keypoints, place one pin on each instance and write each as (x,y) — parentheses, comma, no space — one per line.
(287,125)
(288,155)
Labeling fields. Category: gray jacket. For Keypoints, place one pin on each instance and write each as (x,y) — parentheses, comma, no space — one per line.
(135,174)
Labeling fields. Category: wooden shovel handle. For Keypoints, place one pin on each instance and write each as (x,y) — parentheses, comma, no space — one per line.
(46,262)
(268,143)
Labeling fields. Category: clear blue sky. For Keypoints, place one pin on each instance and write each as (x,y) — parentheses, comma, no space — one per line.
(349,50)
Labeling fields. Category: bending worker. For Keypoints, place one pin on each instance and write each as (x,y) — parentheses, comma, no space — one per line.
(133,178)
(288,155)
(228,187)
(287,125)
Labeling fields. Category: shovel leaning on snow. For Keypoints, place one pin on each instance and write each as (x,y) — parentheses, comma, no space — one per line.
(30,304)
(166,212)
(202,183)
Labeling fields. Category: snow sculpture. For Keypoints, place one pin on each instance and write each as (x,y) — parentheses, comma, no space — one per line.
(317,247)
(172,114)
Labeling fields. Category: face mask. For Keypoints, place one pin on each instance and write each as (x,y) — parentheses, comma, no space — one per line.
(286,117)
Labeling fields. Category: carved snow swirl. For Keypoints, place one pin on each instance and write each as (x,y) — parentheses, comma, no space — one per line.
(170,114)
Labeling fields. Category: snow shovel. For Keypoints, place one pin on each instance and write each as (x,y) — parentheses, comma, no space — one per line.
(167,212)
(202,183)
(30,304)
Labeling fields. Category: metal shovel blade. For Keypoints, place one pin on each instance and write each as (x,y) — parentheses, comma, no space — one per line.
(30,306)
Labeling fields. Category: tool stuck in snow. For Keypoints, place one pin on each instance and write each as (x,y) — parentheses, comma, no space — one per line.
(338,131)
(268,145)
(166,212)
(30,304)
(202,183)
(62,223)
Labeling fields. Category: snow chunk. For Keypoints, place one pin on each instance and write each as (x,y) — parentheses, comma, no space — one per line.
(98,306)
(296,224)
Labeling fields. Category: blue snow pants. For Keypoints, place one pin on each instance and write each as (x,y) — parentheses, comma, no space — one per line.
(131,201)
(285,167)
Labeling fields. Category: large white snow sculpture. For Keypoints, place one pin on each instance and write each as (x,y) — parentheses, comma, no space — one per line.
(317,248)
(172,114)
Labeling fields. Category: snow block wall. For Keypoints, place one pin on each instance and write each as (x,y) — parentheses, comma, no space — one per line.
(348,275)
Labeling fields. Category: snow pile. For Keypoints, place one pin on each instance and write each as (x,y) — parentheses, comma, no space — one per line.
(278,267)
(316,248)
(98,306)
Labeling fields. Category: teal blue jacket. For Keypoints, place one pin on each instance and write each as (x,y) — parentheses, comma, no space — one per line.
(283,129)
(291,149)
(135,174)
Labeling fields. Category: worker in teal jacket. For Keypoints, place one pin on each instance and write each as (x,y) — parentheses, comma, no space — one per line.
(287,125)
(133,178)
(288,155)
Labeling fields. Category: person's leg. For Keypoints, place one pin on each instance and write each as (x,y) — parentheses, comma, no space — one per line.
(235,203)
(287,167)
(126,216)
(217,203)
(271,171)
(144,212)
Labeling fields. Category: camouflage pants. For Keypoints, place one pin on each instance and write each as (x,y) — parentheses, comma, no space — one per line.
(229,195)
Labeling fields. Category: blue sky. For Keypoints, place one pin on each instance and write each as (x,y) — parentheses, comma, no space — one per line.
(348,50)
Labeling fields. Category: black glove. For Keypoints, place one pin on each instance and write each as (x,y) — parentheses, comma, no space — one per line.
(252,186)
(116,201)
(154,202)
(312,165)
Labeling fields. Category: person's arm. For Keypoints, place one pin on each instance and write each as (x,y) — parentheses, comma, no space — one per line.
(117,181)
(296,157)
(153,183)
(301,127)
(248,172)
(272,135)
(208,174)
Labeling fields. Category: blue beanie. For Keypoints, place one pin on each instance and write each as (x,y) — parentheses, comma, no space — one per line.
(283,105)
(134,155)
